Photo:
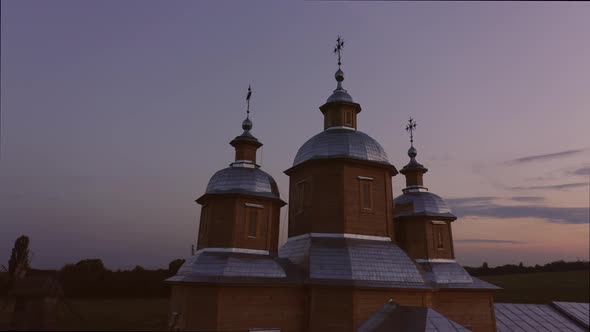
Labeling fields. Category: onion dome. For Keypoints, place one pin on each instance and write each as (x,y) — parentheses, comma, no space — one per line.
(341,143)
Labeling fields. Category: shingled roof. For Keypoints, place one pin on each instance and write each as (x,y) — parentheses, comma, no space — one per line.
(557,316)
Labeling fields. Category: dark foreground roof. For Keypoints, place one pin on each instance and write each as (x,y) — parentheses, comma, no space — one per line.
(393,317)
(557,316)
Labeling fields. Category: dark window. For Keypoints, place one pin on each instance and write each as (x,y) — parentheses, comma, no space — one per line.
(300,197)
(204,222)
(438,237)
(348,118)
(366,195)
(252,222)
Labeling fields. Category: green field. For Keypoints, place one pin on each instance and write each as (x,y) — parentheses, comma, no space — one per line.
(570,286)
(151,314)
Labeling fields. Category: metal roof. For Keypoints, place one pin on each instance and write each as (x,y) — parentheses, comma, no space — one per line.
(352,261)
(414,203)
(451,275)
(579,312)
(534,317)
(341,143)
(229,266)
(393,317)
(249,180)
(445,273)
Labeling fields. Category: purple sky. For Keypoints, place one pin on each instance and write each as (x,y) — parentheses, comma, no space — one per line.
(115,114)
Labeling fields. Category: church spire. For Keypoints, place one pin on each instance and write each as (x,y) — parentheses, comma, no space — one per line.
(340,94)
(340,111)
(413,171)
(246,144)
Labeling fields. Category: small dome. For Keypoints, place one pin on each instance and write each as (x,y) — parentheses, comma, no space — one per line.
(244,180)
(420,203)
(341,143)
(339,75)
(340,95)
(247,124)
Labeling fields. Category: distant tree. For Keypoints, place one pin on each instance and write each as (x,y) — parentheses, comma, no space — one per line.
(520,265)
(138,268)
(20,259)
(485,266)
(174,266)
(90,265)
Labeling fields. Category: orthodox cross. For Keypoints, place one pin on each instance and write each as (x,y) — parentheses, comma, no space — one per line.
(248,101)
(410,127)
(338,49)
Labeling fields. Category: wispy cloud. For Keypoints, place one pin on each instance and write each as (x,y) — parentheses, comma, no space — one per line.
(583,171)
(554,186)
(527,199)
(488,241)
(544,157)
(490,199)
(560,215)
(470,200)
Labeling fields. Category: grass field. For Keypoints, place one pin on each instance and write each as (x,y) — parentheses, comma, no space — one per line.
(152,314)
(571,286)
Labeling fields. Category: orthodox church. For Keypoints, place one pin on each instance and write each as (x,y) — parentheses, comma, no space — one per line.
(356,258)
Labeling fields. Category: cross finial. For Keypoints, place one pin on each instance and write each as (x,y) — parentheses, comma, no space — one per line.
(338,49)
(248,101)
(410,127)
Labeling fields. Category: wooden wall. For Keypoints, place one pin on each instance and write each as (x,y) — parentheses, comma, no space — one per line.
(473,309)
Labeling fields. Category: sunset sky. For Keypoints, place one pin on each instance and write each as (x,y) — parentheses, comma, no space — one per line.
(115,114)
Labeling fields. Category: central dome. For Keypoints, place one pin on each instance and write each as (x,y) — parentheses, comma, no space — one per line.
(341,143)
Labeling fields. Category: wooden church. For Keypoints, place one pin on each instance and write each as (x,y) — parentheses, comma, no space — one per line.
(356,258)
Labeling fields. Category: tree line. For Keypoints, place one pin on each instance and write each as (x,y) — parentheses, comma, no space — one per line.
(90,279)
(557,266)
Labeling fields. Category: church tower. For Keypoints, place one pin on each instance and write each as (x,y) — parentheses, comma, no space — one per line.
(422,219)
(241,205)
(422,223)
(235,281)
(341,223)
(340,181)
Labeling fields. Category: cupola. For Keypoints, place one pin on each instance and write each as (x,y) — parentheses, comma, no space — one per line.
(340,110)
(241,205)
(422,219)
